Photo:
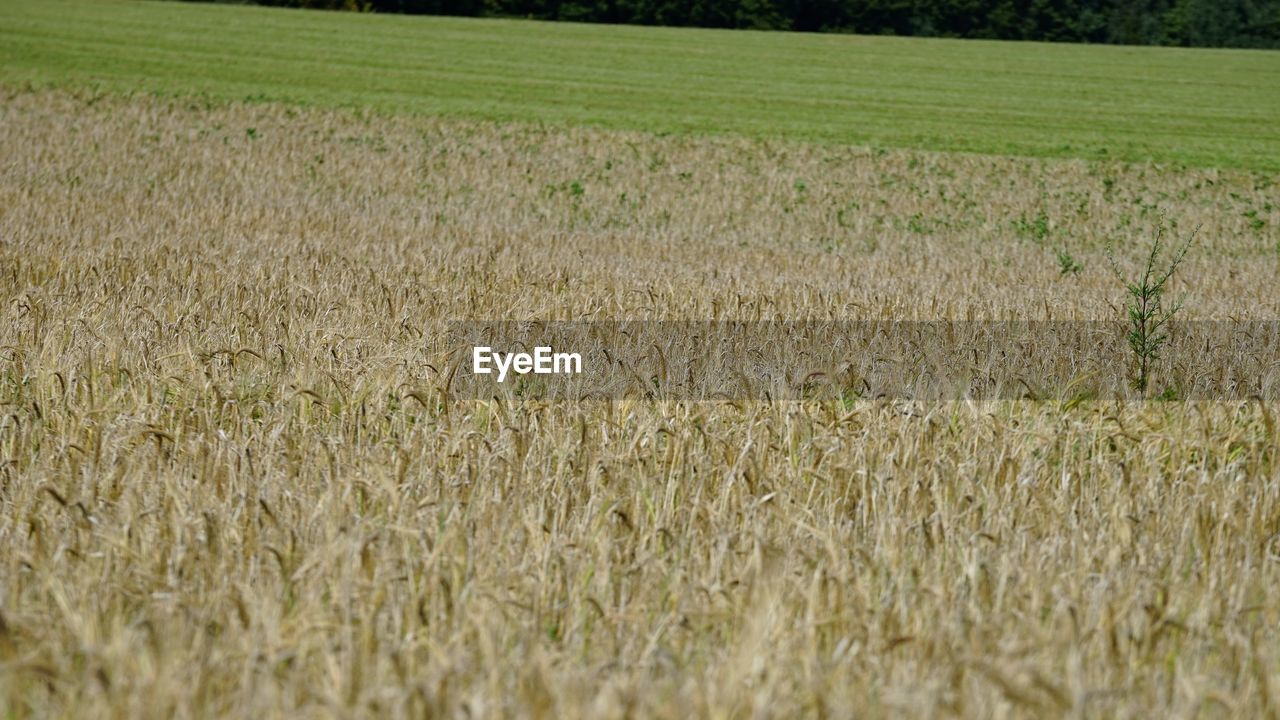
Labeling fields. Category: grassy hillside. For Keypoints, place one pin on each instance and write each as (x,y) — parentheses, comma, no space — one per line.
(1203,108)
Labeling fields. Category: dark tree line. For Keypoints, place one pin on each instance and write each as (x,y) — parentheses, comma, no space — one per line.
(1193,23)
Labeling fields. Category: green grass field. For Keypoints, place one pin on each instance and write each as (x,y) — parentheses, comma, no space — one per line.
(1199,107)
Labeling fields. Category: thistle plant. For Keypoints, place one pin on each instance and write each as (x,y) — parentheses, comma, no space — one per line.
(1067,265)
(1147,313)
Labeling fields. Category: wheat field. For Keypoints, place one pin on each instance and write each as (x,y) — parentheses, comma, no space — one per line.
(232,482)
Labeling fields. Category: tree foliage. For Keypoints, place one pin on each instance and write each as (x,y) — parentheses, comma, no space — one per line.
(1190,23)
